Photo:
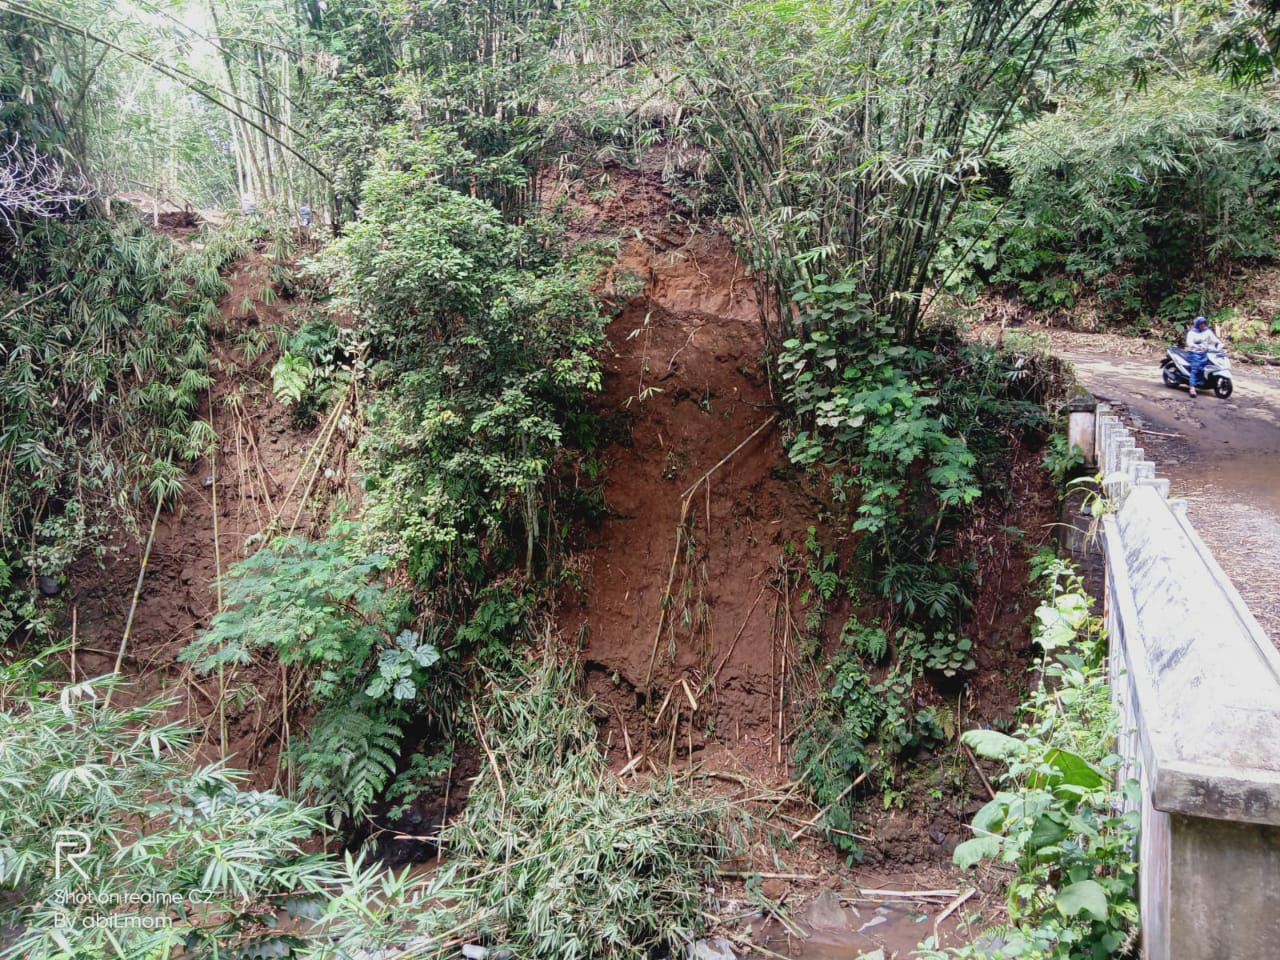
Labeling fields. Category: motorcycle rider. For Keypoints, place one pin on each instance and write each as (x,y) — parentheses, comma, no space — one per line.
(1200,340)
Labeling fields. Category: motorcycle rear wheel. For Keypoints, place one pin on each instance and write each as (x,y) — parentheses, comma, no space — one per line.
(1170,376)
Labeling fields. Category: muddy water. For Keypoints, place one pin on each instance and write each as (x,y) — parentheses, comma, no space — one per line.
(837,928)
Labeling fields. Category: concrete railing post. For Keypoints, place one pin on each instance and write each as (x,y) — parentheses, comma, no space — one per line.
(1197,686)
(1082,413)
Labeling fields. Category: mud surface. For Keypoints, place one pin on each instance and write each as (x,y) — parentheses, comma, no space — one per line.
(1221,456)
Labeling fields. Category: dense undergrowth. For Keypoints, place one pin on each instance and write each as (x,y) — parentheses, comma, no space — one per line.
(476,346)
(905,439)
(555,857)
(1064,825)
(1137,203)
(116,787)
(106,335)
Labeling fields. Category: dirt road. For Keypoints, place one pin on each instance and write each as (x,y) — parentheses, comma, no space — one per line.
(1221,456)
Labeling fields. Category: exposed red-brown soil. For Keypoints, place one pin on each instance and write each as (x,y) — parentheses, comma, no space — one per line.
(259,467)
(686,636)
(684,629)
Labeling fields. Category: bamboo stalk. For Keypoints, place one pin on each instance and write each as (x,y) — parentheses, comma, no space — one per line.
(736,636)
(952,907)
(315,470)
(908,894)
(685,502)
(217,581)
(137,593)
(493,762)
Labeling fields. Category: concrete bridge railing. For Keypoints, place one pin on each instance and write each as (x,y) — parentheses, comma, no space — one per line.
(1197,683)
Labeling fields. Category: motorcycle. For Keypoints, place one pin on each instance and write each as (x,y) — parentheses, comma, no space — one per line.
(1216,374)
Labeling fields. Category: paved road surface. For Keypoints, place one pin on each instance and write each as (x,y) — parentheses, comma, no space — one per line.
(1222,457)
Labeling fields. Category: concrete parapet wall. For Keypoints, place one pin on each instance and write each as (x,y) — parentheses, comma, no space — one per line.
(1197,683)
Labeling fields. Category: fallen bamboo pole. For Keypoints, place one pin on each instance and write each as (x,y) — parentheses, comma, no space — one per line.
(217,581)
(908,894)
(137,593)
(685,502)
(952,908)
(737,636)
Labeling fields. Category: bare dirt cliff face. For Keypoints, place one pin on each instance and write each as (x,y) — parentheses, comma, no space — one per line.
(688,605)
(679,610)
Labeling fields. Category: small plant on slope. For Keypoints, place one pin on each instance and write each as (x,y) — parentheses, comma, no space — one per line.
(1059,820)
(320,606)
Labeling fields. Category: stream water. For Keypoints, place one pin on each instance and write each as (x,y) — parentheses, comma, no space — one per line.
(839,928)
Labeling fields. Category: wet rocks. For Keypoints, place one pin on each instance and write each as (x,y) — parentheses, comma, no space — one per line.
(714,948)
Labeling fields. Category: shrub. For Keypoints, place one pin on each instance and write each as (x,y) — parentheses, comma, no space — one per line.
(152,822)
(105,335)
(1067,829)
(554,857)
(320,606)
(907,438)
(857,726)
(1129,192)
(484,339)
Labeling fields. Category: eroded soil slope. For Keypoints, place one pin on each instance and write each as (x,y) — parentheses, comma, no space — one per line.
(686,615)
(263,464)
(680,610)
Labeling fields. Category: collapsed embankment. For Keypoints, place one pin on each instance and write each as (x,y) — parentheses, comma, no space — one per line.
(691,599)
(687,606)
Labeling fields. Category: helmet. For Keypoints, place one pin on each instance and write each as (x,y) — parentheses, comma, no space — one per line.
(1200,323)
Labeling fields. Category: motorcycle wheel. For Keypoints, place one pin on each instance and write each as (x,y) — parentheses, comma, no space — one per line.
(1222,388)
(1170,376)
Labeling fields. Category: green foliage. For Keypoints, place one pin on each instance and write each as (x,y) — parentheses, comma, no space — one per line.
(321,606)
(869,641)
(156,823)
(858,399)
(848,134)
(881,423)
(1061,458)
(943,653)
(907,440)
(474,72)
(105,331)
(1061,823)
(823,575)
(554,857)
(313,602)
(501,617)
(350,754)
(857,726)
(1130,192)
(486,339)
(315,367)
(289,378)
